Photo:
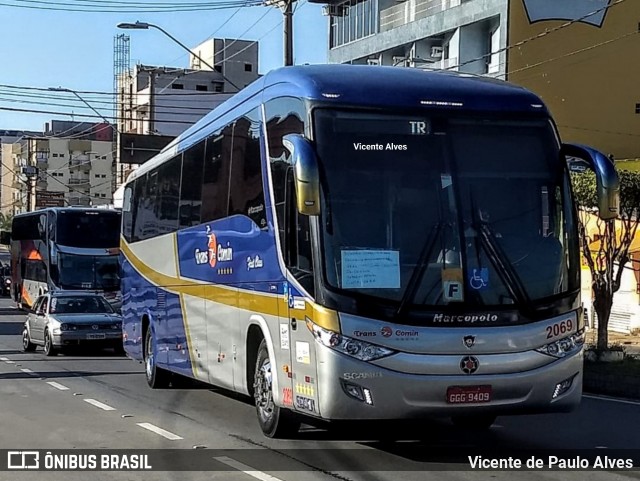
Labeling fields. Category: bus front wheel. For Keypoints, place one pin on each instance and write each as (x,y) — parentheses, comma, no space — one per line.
(275,422)
(157,378)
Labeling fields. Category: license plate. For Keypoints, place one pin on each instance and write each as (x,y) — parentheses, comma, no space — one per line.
(469,394)
(96,336)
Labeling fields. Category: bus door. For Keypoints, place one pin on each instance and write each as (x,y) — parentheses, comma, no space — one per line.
(299,262)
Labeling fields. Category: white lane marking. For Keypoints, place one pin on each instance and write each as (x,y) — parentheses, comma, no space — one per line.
(4,359)
(612,399)
(98,404)
(29,371)
(10,362)
(57,386)
(248,470)
(159,431)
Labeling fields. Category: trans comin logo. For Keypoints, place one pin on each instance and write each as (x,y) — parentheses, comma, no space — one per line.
(215,251)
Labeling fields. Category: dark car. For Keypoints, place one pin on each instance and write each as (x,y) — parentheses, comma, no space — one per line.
(61,320)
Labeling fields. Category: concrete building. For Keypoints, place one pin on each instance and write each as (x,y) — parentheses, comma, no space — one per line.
(575,54)
(78,170)
(13,186)
(165,101)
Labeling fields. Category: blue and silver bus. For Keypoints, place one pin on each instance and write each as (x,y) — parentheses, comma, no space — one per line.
(347,242)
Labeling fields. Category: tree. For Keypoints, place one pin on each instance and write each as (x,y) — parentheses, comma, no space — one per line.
(608,256)
(5,221)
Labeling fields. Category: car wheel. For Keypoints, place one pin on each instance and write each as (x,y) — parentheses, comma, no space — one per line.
(49,350)
(27,345)
(157,378)
(274,421)
(475,423)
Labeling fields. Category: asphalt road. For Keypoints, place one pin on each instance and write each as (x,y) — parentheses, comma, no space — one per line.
(101,401)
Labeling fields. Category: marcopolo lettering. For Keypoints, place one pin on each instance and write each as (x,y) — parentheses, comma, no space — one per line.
(465,318)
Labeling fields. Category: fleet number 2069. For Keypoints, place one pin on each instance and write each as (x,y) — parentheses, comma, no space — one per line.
(563,327)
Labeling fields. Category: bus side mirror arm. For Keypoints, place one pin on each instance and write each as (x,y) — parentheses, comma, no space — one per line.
(306,174)
(607,180)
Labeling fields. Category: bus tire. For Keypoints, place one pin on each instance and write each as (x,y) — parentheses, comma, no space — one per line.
(157,378)
(480,422)
(274,421)
(49,350)
(27,345)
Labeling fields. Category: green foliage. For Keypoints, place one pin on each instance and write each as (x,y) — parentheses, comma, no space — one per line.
(5,222)
(584,189)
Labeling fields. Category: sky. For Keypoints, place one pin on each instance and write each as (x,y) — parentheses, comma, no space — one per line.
(74,50)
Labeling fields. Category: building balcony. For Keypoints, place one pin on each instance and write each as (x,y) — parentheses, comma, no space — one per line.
(80,165)
(79,182)
(412,10)
(42,164)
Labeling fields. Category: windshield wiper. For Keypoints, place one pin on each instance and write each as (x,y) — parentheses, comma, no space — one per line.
(418,272)
(497,257)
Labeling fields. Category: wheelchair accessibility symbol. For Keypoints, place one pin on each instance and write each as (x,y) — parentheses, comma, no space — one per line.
(479,279)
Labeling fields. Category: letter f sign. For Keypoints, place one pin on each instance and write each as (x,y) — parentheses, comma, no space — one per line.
(453,291)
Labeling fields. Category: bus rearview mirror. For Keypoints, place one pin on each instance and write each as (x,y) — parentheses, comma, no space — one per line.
(579,157)
(305,167)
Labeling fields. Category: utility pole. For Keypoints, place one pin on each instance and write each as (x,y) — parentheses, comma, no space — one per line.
(287,10)
(288,32)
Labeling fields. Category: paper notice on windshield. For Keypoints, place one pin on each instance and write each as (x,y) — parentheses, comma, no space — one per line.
(370,269)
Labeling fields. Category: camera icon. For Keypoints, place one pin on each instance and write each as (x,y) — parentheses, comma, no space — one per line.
(23,460)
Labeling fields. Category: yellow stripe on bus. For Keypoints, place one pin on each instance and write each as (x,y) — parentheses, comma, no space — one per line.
(240,298)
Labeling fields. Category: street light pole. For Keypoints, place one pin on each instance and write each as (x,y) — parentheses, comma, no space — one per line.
(145,26)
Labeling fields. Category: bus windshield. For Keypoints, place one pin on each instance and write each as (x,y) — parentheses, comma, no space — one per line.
(91,230)
(431,211)
(88,272)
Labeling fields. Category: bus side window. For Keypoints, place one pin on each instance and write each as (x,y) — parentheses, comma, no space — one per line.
(298,250)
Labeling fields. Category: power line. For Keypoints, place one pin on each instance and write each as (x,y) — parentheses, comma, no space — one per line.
(71,7)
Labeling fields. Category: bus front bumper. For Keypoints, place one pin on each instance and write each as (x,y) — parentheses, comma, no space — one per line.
(350,389)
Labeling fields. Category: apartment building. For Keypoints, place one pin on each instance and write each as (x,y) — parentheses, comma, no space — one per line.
(576,54)
(79,170)
(165,101)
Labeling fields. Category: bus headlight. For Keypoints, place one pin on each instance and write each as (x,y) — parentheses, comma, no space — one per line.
(360,350)
(565,346)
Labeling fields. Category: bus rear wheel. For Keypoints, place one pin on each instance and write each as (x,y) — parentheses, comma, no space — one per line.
(274,421)
(157,378)
(475,423)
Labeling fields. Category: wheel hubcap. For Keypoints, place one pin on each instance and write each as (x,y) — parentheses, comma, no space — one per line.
(262,390)
(149,361)
(25,339)
(47,343)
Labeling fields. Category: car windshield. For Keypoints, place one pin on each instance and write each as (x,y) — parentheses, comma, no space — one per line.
(432,211)
(80,305)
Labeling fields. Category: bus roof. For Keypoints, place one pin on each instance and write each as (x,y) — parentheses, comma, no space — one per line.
(366,86)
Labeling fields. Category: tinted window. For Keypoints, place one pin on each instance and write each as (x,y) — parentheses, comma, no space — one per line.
(168,195)
(246,189)
(191,189)
(89,229)
(215,188)
(138,208)
(284,116)
(28,227)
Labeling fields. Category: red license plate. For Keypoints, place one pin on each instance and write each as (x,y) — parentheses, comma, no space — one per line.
(468,394)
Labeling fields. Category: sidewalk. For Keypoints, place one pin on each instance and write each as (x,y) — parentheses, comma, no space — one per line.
(631,343)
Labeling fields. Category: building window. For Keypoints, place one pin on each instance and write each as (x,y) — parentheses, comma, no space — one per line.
(248,67)
(201,88)
(54,155)
(217,68)
(177,86)
(218,86)
(637,108)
